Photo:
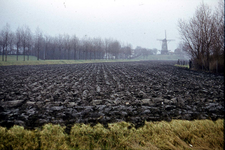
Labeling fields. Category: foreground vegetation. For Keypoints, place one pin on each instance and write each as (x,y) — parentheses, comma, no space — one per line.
(177,134)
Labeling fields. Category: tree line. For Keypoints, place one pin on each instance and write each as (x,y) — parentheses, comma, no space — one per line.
(203,37)
(45,47)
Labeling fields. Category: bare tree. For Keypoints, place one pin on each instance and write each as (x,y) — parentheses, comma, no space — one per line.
(114,48)
(47,41)
(38,41)
(23,35)
(74,43)
(29,41)
(86,48)
(125,51)
(60,46)
(217,57)
(100,48)
(67,45)
(198,35)
(6,36)
(95,43)
(53,47)
(18,41)
(1,45)
(106,42)
(11,43)
(26,40)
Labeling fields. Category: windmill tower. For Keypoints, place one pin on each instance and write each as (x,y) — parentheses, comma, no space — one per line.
(164,49)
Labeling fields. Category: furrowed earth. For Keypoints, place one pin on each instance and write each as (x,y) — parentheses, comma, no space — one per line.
(32,96)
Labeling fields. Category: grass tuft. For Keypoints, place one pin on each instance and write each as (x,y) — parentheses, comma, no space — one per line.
(17,138)
(3,138)
(53,137)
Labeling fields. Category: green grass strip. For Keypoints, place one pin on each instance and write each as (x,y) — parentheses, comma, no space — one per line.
(183,66)
(177,134)
(12,60)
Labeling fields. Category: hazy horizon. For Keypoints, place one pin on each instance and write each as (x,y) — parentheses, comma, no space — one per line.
(139,23)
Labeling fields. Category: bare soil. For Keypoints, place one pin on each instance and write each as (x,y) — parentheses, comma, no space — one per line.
(32,96)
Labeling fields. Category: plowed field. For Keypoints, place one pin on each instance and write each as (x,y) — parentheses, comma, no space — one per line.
(107,92)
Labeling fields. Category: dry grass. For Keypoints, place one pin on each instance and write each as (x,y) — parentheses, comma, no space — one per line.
(174,135)
(17,138)
(53,137)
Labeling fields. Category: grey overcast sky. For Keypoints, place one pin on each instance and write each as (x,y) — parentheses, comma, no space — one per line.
(138,22)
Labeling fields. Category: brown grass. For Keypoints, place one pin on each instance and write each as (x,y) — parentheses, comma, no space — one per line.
(174,135)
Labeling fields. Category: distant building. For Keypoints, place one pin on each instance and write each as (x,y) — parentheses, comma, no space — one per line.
(108,56)
(164,50)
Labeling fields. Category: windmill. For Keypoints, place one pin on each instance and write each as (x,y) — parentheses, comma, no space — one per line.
(164,49)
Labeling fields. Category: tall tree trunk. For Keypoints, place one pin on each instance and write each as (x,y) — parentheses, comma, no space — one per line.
(94,55)
(68,54)
(17,51)
(74,54)
(53,54)
(6,54)
(45,52)
(38,52)
(3,51)
(208,60)
(23,53)
(78,54)
(60,53)
(28,53)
